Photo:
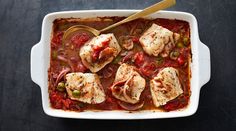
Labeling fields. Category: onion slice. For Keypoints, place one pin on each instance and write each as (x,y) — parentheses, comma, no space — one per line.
(63,59)
(61,74)
(131,107)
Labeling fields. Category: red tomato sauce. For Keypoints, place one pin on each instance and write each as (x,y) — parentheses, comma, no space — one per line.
(65,56)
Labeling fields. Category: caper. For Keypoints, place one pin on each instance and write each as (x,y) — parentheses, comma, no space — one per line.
(61,86)
(76,93)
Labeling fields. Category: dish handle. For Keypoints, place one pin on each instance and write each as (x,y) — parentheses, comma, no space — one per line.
(36,63)
(204,64)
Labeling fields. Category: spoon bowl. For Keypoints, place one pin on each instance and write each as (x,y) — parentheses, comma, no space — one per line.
(147,11)
(77,28)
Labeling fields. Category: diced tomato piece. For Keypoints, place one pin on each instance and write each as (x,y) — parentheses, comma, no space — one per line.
(105,43)
(58,104)
(109,99)
(66,103)
(135,39)
(180,102)
(170,106)
(181,60)
(56,100)
(170,63)
(95,55)
(97,49)
(139,58)
(57,38)
(80,39)
(53,97)
(148,69)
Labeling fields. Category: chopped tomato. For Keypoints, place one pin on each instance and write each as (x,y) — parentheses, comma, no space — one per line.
(176,104)
(57,39)
(135,39)
(148,69)
(66,103)
(139,58)
(80,39)
(109,99)
(105,43)
(170,63)
(97,49)
(181,60)
(56,100)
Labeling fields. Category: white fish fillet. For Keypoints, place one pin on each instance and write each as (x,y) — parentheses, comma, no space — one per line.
(165,86)
(128,84)
(87,51)
(158,39)
(89,86)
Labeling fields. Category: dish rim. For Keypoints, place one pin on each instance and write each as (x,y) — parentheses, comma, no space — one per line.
(200,66)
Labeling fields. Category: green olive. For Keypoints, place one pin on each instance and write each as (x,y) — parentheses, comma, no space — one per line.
(174,55)
(186,41)
(76,93)
(61,86)
(180,45)
(159,60)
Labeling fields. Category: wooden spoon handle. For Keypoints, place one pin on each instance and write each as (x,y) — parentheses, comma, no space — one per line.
(149,10)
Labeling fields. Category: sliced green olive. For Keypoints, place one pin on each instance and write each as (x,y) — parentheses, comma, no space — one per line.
(76,93)
(159,60)
(61,86)
(186,41)
(174,55)
(180,45)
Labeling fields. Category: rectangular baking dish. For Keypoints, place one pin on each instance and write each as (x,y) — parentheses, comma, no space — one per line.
(200,66)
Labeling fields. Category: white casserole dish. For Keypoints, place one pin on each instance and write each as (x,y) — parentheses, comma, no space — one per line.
(40,60)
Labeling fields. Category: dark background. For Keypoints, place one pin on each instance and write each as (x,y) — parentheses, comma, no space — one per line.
(20,98)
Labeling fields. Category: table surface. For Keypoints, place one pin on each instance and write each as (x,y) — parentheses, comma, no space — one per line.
(20,98)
